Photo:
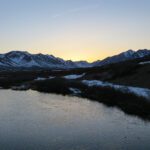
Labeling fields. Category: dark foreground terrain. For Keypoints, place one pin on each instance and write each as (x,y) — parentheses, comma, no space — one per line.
(133,73)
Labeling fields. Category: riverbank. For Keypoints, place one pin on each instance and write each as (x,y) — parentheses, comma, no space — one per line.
(125,100)
(132,100)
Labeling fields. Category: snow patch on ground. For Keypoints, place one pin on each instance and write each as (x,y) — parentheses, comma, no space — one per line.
(42,79)
(126,89)
(143,63)
(21,87)
(74,76)
(75,91)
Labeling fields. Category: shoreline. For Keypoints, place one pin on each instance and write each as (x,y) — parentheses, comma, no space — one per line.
(128,102)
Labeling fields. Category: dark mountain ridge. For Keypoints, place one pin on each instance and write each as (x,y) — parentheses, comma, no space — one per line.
(23,59)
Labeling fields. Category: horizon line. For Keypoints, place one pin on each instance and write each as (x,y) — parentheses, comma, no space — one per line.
(28,51)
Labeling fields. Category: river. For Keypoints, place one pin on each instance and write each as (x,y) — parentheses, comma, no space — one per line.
(30,120)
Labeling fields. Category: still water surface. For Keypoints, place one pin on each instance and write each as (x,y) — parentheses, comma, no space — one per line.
(35,121)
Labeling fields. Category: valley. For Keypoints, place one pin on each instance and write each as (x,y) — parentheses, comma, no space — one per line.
(125,85)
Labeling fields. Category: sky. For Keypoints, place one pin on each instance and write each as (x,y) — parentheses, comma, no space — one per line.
(74,29)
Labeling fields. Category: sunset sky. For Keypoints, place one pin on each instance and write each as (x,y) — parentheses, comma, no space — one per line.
(74,29)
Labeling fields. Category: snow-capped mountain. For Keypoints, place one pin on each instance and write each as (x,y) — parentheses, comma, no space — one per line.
(23,59)
(128,55)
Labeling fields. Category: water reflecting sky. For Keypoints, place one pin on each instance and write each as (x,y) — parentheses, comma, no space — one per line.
(32,120)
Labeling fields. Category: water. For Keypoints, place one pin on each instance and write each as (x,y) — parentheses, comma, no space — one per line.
(35,121)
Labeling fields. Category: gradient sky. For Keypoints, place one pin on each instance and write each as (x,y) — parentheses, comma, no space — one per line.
(74,29)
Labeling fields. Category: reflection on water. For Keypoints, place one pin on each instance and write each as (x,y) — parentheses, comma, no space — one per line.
(35,121)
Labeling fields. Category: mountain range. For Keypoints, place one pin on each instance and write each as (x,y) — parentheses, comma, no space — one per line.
(23,59)
(127,55)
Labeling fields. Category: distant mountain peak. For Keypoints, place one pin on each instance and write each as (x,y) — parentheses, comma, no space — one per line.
(127,55)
